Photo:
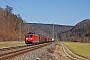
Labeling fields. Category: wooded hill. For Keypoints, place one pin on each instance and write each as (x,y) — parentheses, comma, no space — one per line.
(11,25)
(46,29)
(79,33)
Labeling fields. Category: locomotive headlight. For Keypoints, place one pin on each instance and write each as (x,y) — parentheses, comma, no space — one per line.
(26,38)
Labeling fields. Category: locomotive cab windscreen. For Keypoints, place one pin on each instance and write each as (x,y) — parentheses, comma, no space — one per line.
(28,37)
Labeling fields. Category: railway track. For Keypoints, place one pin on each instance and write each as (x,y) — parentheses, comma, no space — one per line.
(70,54)
(18,51)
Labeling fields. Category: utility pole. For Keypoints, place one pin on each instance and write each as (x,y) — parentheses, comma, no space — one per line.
(53,33)
(56,37)
(53,30)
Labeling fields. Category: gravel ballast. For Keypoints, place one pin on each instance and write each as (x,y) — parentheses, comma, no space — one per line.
(33,55)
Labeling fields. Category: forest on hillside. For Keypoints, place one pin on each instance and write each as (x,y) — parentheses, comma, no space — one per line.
(11,25)
(79,33)
(47,29)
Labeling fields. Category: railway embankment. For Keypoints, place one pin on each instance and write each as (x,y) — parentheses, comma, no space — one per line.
(33,55)
(19,50)
(53,51)
(49,52)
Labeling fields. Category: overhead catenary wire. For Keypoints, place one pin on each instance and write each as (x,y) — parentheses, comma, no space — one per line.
(18,10)
(35,10)
(22,9)
(25,11)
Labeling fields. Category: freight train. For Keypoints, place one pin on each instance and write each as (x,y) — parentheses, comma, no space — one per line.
(32,38)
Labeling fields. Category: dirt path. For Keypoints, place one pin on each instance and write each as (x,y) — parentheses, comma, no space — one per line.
(55,53)
(59,54)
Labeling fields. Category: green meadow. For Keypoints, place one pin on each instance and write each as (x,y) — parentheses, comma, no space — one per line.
(11,44)
(82,49)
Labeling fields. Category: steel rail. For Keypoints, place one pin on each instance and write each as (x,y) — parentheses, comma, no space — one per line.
(12,54)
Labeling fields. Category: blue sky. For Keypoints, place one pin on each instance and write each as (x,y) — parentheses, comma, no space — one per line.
(63,12)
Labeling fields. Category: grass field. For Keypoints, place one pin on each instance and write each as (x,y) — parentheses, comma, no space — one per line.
(82,49)
(11,44)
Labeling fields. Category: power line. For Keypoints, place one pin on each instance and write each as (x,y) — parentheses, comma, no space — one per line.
(25,11)
(35,9)
(17,10)
(22,9)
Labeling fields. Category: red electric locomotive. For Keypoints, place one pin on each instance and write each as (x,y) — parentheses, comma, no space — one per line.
(32,38)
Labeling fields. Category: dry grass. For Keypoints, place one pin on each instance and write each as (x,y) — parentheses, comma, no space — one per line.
(82,49)
(11,44)
(54,53)
(59,54)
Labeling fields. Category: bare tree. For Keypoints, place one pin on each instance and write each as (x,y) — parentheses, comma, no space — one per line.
(19,16)
(8,9)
